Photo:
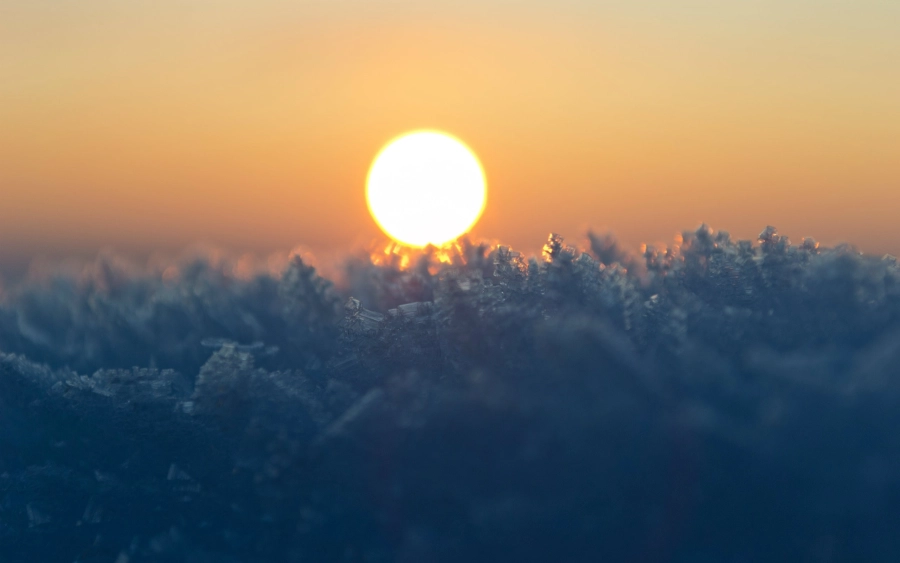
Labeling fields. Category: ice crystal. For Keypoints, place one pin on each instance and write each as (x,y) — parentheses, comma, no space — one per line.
(713,400)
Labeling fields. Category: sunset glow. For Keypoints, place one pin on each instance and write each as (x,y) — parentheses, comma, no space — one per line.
(426,187)
(252,125)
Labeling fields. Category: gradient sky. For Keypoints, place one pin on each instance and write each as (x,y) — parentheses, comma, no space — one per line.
(146,125)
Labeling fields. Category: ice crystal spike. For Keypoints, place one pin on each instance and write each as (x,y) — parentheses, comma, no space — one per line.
(553,247)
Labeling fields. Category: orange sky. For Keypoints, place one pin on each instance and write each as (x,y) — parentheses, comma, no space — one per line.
(154,124)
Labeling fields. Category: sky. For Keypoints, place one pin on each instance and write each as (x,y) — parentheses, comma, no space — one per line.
(148,125)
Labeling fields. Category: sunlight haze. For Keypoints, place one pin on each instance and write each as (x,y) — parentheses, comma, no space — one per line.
(145,125)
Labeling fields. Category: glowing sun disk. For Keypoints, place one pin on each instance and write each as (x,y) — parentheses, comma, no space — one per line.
(426,187)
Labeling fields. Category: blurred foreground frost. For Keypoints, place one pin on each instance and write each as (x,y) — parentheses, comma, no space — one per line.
(711,401)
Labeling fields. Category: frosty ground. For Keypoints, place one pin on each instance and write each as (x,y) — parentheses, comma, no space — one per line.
(712,401)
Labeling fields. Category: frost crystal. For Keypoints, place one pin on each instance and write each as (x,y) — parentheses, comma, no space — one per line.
(465,404)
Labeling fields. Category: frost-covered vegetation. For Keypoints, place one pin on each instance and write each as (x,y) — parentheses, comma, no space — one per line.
(714,401)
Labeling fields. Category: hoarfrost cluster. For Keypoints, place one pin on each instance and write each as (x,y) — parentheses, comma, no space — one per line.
(714,400)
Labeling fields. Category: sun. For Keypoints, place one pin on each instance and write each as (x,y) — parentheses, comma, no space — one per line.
(426,187)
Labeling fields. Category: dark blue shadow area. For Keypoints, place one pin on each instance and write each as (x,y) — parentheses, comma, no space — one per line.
(718,401)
